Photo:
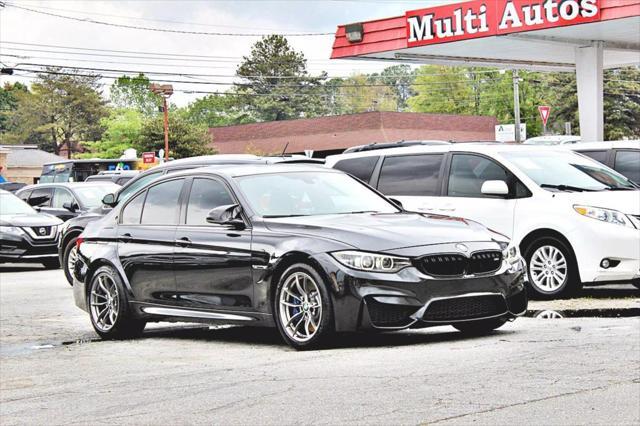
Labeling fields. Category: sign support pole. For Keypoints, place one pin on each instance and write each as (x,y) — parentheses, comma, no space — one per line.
(516,104)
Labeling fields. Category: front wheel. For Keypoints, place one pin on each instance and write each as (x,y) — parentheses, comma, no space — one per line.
(480,327)
(109,308)
(69,258)
(303,308)
(553,271)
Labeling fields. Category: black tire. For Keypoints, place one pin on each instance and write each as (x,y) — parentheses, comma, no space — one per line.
(125,325)
(480,327)
(571,284)
(51,264)
(325,323)
(71,244)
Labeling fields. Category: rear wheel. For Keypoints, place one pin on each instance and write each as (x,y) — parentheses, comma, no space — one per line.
(109,308)
(303,309)
(69,258)
(553,272)
(480,327)
(51,264)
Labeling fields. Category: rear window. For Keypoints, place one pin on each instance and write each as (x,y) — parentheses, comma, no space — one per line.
(361,167)
(411,175)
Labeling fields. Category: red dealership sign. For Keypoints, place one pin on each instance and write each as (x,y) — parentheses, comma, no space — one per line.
(482,18)
(148,157)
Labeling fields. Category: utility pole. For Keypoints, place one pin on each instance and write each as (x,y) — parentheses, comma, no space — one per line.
(516,104)
(164,90)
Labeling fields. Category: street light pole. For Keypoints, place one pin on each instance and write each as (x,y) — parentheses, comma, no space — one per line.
(516,104)
(164,90)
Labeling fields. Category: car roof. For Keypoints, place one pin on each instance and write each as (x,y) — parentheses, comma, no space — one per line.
(256,169)
(585,146)
(70,185)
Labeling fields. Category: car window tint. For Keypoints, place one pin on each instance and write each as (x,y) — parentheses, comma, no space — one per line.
(41,197)
(469,172)
(410,175)
(628,164)
(206,194)
(161,206)
(136,185)
(361,167)
(62,196)
(600,156)
(133,210)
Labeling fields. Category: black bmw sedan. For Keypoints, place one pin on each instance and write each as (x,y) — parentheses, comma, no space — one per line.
(25,234)
(305,249)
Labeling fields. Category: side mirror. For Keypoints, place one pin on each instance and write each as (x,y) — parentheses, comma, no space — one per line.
(109,200)
(227,215)
(72,207)
(396,202)
(495,187)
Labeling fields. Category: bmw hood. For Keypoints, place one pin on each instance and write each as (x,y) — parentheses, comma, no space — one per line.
(383,232)
(33,219)
(627,202)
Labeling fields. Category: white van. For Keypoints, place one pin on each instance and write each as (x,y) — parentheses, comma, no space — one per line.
(575,220)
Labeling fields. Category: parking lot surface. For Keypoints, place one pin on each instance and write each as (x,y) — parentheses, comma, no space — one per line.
(53,370)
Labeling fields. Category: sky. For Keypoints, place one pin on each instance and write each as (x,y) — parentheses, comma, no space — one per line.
(46,39)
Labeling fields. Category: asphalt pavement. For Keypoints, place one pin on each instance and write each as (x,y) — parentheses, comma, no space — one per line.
(53,369)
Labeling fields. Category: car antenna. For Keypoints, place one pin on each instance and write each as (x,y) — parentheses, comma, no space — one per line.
(285,149)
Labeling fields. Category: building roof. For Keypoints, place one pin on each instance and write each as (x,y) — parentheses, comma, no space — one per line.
(344,131)
(28,156)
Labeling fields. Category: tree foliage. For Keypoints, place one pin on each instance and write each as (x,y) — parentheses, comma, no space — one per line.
(216,111)
(185,139)
(122,131)
(134,93)
(360,93)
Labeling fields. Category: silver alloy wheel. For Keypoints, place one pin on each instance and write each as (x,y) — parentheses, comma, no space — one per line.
(300,307)
(549,314)
(548,269)
(72,257)
(104,302)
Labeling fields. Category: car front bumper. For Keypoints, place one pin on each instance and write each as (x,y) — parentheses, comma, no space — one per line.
(365,300)
(19,248)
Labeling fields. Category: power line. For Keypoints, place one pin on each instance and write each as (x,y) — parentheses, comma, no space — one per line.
(161,30)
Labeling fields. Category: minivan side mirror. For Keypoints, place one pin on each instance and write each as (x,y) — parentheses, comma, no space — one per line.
(227,215)
(109,200)
(396,202)
(495,187)
(72,207)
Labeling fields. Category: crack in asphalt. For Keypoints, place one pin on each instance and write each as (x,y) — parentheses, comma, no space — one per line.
(546,398)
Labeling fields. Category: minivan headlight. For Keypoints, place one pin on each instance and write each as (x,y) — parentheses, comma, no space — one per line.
(371,262)
(604,215)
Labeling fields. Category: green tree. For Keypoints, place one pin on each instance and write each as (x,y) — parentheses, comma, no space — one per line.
(275,83)
(10,95)
(134,93)
(441,89)
(400,79)
(185,139)
(63,109)
(122,131)
(359,93)
(216,111)
(622,103)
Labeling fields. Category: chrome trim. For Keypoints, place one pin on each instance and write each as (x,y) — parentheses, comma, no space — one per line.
(37,256)
(188,313)
(418,315)
(51,235)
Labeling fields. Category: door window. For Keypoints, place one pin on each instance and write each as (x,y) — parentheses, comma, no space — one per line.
(628,164)
(206,194)
(600,156)
(161,206)
(24,196)
(41,197)
(361,167)
(469,172)
(129,190)
(133,210)
(62,196)
(417,175)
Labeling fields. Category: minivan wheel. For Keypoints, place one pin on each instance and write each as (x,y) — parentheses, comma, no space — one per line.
(480,327)
(109,308)
(553,272)
(303,309)
(69,258)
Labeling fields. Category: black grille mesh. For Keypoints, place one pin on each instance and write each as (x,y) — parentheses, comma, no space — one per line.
(388,315)
(461,308)
(452,265)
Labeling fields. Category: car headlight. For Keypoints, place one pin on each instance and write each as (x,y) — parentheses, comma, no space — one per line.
(371,262)
(511,253)
(605,215)
(11,230)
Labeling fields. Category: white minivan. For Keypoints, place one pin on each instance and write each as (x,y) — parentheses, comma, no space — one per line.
(575,220)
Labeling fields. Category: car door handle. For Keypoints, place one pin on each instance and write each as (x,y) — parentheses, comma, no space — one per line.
(125,237)
(183,242)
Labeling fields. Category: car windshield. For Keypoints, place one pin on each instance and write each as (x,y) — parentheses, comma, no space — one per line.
(556,170)
(10,204)
(310,194)
(91,196)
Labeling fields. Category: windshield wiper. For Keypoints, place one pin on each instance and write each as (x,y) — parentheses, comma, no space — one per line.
(621,188)
(566,188)
(364,211)
(277,216)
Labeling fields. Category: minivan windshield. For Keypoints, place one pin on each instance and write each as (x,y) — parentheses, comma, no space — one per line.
(310,194)
(10,204)
(558,170)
